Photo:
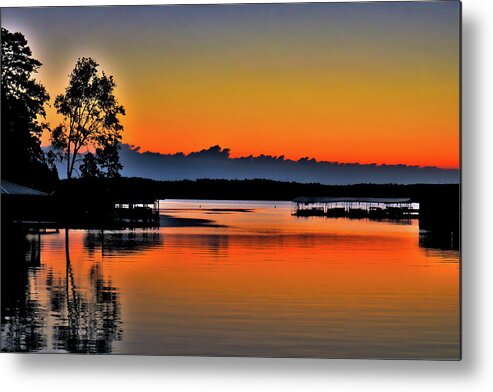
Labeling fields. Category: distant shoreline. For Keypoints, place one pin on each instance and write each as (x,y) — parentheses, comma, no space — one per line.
(254,190)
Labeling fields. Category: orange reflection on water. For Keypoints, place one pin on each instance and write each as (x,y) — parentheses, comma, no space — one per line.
(250,279)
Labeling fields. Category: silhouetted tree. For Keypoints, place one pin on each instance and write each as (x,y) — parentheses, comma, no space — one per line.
(105,163)
(23,106)
(89,167)
(108,160)
(91,121)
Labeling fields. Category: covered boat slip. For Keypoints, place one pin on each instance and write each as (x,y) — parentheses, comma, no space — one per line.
(137,213)
(26,208)
(356,207)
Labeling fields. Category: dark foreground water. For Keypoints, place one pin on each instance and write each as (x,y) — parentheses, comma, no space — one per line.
(235,279)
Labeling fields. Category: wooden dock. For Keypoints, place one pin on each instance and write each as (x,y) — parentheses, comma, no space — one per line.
(356,208)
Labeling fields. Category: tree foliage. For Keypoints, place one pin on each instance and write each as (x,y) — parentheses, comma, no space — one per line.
(89,137)
(89,166)
(23,110)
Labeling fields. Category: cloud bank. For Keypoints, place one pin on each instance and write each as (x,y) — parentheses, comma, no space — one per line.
(216,163)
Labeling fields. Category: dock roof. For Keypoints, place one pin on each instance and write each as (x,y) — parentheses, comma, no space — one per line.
(10,188)
(383,200)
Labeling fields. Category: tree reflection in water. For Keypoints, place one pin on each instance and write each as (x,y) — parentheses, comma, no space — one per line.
(121,242)
(87,321)
(23,324)
(75,317)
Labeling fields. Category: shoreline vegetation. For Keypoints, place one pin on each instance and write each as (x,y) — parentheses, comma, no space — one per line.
(257,189)
(89,203)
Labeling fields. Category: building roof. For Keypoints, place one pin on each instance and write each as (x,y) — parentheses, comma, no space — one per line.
(10,188)
(383,200)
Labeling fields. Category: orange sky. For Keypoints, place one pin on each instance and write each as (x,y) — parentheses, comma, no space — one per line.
(347,83)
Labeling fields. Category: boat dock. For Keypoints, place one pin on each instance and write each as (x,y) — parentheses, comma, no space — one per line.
(356,207)
(137,214)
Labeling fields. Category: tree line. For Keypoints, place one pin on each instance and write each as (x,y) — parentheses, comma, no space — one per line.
(87,139)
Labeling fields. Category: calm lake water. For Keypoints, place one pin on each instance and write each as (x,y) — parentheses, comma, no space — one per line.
(237,278)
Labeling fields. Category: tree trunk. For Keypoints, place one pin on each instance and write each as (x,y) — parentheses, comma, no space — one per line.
(69,172)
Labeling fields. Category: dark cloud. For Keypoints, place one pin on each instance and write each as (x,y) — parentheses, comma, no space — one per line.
(216,163)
